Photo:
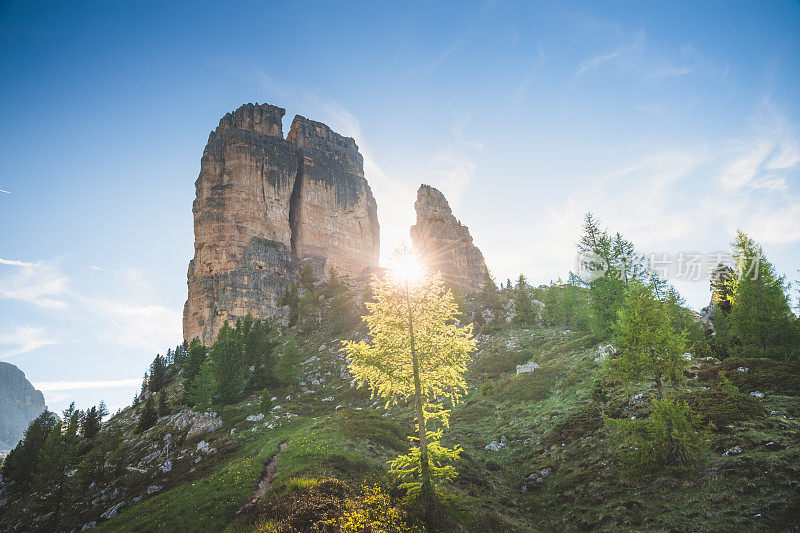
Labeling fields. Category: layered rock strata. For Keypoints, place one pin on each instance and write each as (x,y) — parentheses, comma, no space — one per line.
(445,244)
(264,206)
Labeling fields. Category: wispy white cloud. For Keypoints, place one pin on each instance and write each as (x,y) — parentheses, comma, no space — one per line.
(39,283)
(654,62)
(14,262)
(118,307)
(623,53)
(46,386)
(23,339)
(4,191)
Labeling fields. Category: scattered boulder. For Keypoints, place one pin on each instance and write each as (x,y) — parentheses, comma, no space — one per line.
(196,422)
(204,447)
(255,418)
(757,394)
(535,480)
(527,367)
(496,446)
(152,489)
(604,352)
(166,467)
(113,511)
(736,450)
(90,525)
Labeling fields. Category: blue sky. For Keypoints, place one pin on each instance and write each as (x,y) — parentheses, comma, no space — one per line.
(675,123)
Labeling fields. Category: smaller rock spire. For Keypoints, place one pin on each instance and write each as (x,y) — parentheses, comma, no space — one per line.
(444,243)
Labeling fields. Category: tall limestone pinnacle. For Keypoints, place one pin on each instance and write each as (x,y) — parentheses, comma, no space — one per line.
(264,206)
(445,244)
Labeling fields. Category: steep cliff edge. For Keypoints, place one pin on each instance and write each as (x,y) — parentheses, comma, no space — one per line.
(445,244)
(263,206)
(20,403)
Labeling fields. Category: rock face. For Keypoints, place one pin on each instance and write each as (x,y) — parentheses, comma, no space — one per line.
(444,243)
(264,206)
(333,214)
(19,404)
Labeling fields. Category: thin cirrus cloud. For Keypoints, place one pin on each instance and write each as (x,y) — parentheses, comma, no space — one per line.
(116,307)
(40,284)
(18,340)
(621,54)
(653,62)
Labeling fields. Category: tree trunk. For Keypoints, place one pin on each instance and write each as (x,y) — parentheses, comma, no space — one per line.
(427,487)
(659,386)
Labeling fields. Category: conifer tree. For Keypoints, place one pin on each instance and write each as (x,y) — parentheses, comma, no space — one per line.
(418,352)
(205,386)
(291,299)
(307,279)
(52,480)
(226,358)
(102,410)
(191,368)
(162,407)
(91,423)
(158,374)
(148,416)
(761,320)
(21,462)
(524,312)
(649,346)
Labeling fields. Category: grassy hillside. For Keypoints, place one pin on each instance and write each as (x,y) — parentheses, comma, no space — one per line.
(323,441)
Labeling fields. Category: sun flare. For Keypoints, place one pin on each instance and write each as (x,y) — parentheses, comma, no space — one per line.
(406,266)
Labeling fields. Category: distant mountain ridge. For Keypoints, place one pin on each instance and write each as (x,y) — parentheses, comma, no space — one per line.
(20,403)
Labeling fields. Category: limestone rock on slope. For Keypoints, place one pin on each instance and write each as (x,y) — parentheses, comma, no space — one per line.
(264,205)
(20,403)
(444,243)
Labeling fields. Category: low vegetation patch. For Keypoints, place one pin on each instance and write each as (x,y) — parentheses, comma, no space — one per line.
(723,408)
(375,428)
(762,375)
(576,426)
(527,387)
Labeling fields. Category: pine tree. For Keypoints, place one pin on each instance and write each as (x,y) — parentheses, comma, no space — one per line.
(524,312)
(291,299)
(259,353)
(191,368)
(307,278)
(102,410)
(205,386)
(53,481)
(226,358)
(761,320)
(162,407)
(610,265)
(91,423)
(158,374)
(417,351)
(21,462)
(148,416)
(649,346)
